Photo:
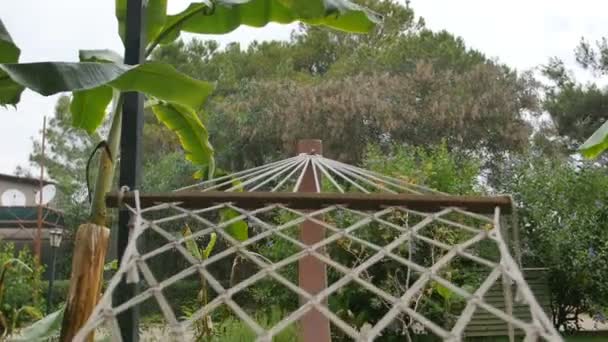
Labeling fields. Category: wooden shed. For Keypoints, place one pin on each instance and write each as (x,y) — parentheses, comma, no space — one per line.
(484,324)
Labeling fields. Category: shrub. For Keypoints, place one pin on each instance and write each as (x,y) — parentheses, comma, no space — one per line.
(20,288)
(563,224)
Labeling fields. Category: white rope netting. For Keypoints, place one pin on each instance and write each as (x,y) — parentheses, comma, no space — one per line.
(412,272)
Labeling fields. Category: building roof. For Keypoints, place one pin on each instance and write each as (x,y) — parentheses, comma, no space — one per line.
(27,217)
(23,180)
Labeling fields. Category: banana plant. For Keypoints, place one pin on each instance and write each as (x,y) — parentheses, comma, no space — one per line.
(100,77)
(204,326)
(45,329)
(177,98)
(597,143)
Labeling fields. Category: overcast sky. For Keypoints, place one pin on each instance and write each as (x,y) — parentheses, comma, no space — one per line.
(520,33)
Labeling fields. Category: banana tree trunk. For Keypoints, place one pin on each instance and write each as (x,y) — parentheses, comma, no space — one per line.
(91,242)
(107,166)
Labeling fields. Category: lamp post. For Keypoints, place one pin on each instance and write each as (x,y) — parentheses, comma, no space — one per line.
(55,236)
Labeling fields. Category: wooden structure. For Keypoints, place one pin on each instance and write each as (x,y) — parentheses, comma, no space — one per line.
(301,186)
(484,324)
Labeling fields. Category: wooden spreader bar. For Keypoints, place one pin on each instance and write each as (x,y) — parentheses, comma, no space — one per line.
(313,201)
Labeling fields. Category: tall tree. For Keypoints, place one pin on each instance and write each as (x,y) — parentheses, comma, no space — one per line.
(67,154)
(580,112)
(577,110)
(567,234)
(593,58)
(479,110)
(401,83)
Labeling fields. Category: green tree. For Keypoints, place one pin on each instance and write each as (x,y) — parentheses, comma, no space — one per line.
(479,110)
(435,167)
(68,151)
(579,111)
(562,219)
(576,110)
(593,58)
(402,83)
(66,156)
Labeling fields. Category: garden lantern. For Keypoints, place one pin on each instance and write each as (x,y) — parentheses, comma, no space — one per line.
(55,236)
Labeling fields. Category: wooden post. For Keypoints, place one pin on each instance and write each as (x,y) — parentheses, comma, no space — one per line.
(91,244)
(507,289)
(38,239)
(312,273)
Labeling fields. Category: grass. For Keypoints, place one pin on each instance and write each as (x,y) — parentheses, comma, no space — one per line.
(228,328)
(601,336)
(586,338)
(235,330)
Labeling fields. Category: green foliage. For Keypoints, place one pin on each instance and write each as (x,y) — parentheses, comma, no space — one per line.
(203,326)
(597,143)
(103,55)
(44,329)
(579,110)
(20,288)
(237,229)
(166,172)
(190,131)
(66,154)
(10,92)
(227,15)
(435,167)
(88,107)
(9,52)
(91,81)
(446,170)
(233,329)
(62,76)
(156,17)
(220,17)
(417,88)
(562,212)
(594,58)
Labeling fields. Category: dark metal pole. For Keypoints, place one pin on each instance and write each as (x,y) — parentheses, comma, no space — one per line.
(49,295)
(130,158)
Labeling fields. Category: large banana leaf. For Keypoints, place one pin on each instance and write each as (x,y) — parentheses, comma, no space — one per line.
(239,229)
(88,107)
(158,80)
(48,78)
(9,52)
(103,55)
(44,329)
(10,92)
(223,16)
(597,143)
(190,130)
